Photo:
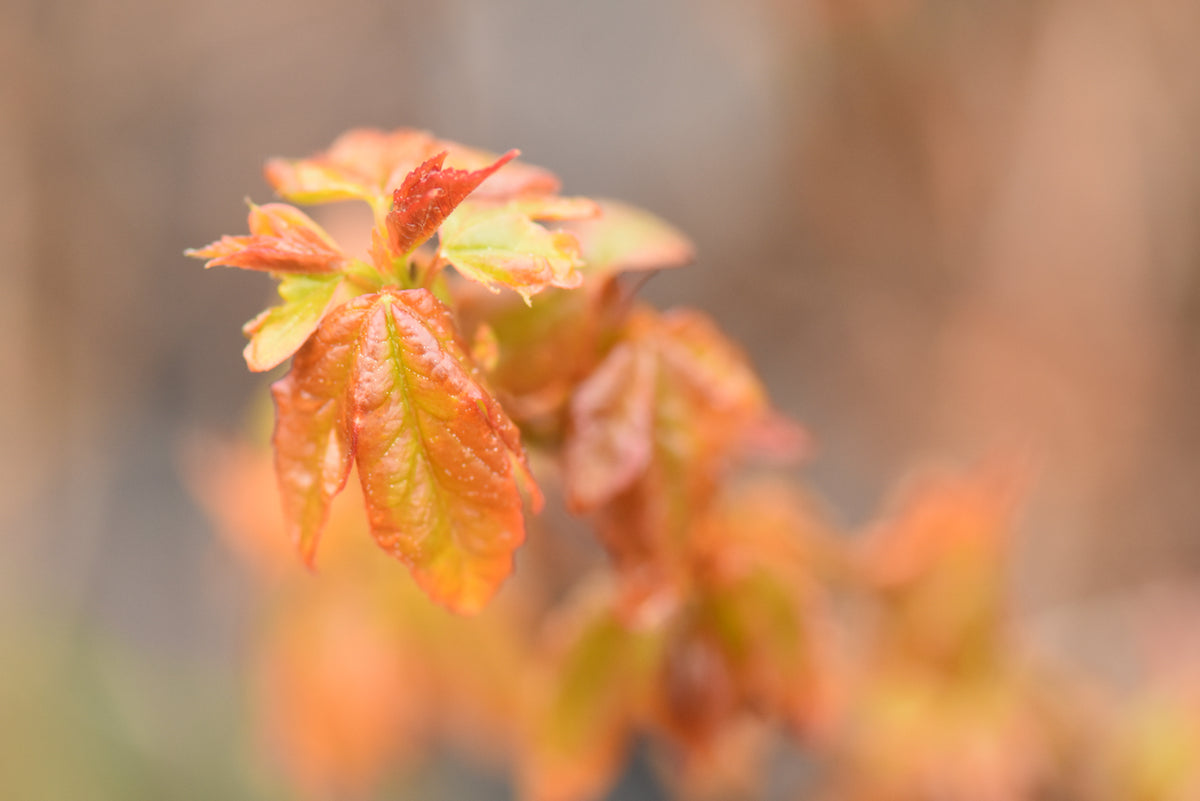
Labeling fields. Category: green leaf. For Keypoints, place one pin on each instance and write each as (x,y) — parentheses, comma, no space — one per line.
(279,331)
(501,246)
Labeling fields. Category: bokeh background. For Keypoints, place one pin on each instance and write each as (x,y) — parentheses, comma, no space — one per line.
(941,229)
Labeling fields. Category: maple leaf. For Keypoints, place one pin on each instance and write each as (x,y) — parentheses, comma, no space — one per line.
(502,246)
(277,332)
(649,434)
(624,238)
(385,384)
(597,681)
(939,560)
(333,695)
(698,696)
(612,441)
(674,389)
(427,196)
(544,347)
(282,239)
(758,560)
(367,164)
(553,207)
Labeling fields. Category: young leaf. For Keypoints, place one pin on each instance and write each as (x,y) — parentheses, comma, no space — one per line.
(597,684)
(624,238)
(280,330)
(333,695)
(314,436)
(386,383)
(939,559)
(699,695)
(367,164)
(651,480)
(500,246)
(613,439)
(427,196)
(282,240)
(553,207)
(544,347)
(704,398)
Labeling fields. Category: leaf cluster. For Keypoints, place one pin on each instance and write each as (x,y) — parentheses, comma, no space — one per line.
(482,340)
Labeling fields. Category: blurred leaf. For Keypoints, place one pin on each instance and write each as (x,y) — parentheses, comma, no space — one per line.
(624,238)
(545,347)
(676,390)
(612,441)
(333,694)
(939,563)
(594,688)
(650,481)
(553,207)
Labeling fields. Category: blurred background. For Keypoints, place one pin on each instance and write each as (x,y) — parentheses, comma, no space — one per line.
(941,230)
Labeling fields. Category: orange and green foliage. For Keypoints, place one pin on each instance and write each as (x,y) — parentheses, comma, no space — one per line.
(721,617)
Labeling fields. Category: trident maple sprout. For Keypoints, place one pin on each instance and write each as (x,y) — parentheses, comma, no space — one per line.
(482,344)
(383,378)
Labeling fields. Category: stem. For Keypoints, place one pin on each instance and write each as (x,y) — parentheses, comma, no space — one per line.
(426,266)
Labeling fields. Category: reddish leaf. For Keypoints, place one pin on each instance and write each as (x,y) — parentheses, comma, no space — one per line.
(699,696)
(427,196)
(282,239)
(386,382)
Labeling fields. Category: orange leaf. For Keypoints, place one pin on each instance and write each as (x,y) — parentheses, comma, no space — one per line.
(545,347)
(314,424)
(676,389)
(282,240)
(427,196)
(367,164)
(386,383)
(650,432)
(597,683)
(613,438)
(939,562)
(335,695)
